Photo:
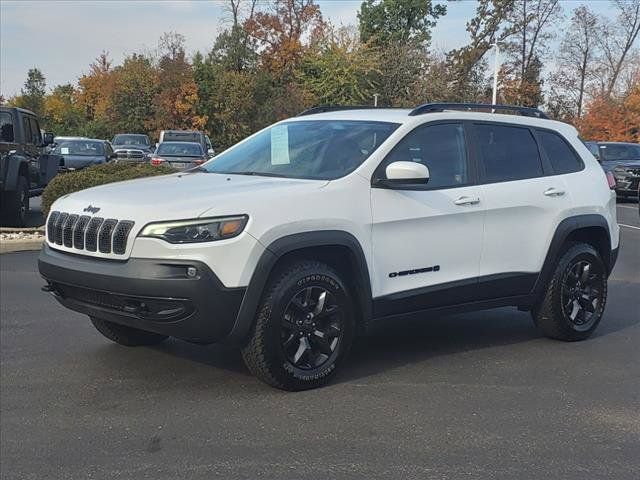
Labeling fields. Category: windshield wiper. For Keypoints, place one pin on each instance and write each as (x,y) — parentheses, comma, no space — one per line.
(255,174)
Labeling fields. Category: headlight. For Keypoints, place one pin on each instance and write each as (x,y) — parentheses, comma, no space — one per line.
(199,230)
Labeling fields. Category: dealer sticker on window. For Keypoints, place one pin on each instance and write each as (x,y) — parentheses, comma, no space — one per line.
(280,145)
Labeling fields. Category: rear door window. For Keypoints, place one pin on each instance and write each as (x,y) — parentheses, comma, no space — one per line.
(36,136)
(26,126)
(562,157)
(6,127)
(508,153)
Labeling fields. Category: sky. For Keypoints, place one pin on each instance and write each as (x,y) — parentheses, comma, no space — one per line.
(62,38)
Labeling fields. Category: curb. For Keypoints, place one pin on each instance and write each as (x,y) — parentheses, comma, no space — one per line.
(8,246)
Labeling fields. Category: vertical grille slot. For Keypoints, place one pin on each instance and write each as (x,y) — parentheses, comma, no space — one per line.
(51,226)
(58,228)
(120,235)
(67,230)
(78,232)
(82,232)
(104,235)
(91,238)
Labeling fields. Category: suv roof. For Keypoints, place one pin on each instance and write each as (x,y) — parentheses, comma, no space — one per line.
(403,116)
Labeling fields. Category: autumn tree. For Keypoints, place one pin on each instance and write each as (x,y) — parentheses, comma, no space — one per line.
(135,87)
(467,64)
(94,97)
(61,113)
(617,40)
(280,32)
(32,93)
(531,26)
(175,100)
(398,21)
(339,69)
(576,65)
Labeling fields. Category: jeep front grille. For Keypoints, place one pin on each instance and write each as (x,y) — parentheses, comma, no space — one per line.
(90,234)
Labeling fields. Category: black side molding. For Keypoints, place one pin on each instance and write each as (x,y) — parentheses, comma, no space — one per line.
(289,244)
(565,228)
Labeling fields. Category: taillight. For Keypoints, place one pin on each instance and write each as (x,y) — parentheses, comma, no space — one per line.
(156,161)
(611,180)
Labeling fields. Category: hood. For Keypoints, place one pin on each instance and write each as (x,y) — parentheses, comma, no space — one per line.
(76,161)
(182,196)
(609,165)
(132,147)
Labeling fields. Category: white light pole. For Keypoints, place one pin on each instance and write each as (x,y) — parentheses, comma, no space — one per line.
(375,99)
(494,98)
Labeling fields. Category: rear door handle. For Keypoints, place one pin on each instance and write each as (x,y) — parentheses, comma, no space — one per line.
(553,192)
(467,201)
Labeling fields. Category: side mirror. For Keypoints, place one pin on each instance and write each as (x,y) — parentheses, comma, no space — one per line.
(47,139)
(402,174)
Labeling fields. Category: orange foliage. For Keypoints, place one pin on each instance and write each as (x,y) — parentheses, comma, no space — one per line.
(613,120)
(281,31)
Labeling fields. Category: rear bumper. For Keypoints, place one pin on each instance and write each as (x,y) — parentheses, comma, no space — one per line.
(155,295)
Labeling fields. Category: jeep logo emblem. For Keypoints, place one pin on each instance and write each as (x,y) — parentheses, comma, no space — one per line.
(91,209)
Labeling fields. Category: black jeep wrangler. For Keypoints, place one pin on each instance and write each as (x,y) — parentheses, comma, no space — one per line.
(25,167)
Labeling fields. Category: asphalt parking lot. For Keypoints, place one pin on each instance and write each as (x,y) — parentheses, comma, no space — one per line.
(474,396)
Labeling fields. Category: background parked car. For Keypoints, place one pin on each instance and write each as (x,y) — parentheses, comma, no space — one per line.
(81,153)
(188,136)
(25,165)
(623,160)
(131,147)
(180,155)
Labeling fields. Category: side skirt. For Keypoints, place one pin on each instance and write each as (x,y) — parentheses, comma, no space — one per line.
(492,291)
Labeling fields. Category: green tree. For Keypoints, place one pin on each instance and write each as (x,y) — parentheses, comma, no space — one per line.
(32,94)
(339,69)
(136,84)
(398,21)
(61,112)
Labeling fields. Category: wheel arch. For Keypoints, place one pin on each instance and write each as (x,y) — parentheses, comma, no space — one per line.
(339,249)
(590,228)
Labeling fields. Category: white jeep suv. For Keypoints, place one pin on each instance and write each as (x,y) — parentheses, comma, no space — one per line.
(320,227)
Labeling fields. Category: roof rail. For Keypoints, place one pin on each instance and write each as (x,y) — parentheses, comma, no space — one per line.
(441,107)
(334,108)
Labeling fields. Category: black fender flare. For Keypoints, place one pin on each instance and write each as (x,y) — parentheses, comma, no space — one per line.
(565,228)
(288,244)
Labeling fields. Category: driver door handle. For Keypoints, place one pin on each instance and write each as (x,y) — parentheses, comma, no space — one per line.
(553,192)
(467,201)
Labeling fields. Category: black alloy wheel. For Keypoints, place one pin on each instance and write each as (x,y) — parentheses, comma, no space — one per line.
(312,328)
(582,293)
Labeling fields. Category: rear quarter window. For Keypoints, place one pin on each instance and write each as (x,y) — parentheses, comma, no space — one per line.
(562,157)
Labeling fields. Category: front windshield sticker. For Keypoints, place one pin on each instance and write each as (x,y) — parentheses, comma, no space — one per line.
(64,150)
(280,145)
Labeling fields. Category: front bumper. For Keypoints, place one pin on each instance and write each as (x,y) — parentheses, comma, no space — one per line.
(155,295)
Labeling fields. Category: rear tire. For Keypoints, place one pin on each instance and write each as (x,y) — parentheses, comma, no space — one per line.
(15,205)
(304,328)
(574,301)
(127,336)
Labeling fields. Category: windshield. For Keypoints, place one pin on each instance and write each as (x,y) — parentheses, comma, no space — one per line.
(130,140)
(85,148)
(179,149)
(612,152)
(314,149)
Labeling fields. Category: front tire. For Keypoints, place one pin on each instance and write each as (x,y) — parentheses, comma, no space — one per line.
(575,297)
(127,336)
(304,328)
